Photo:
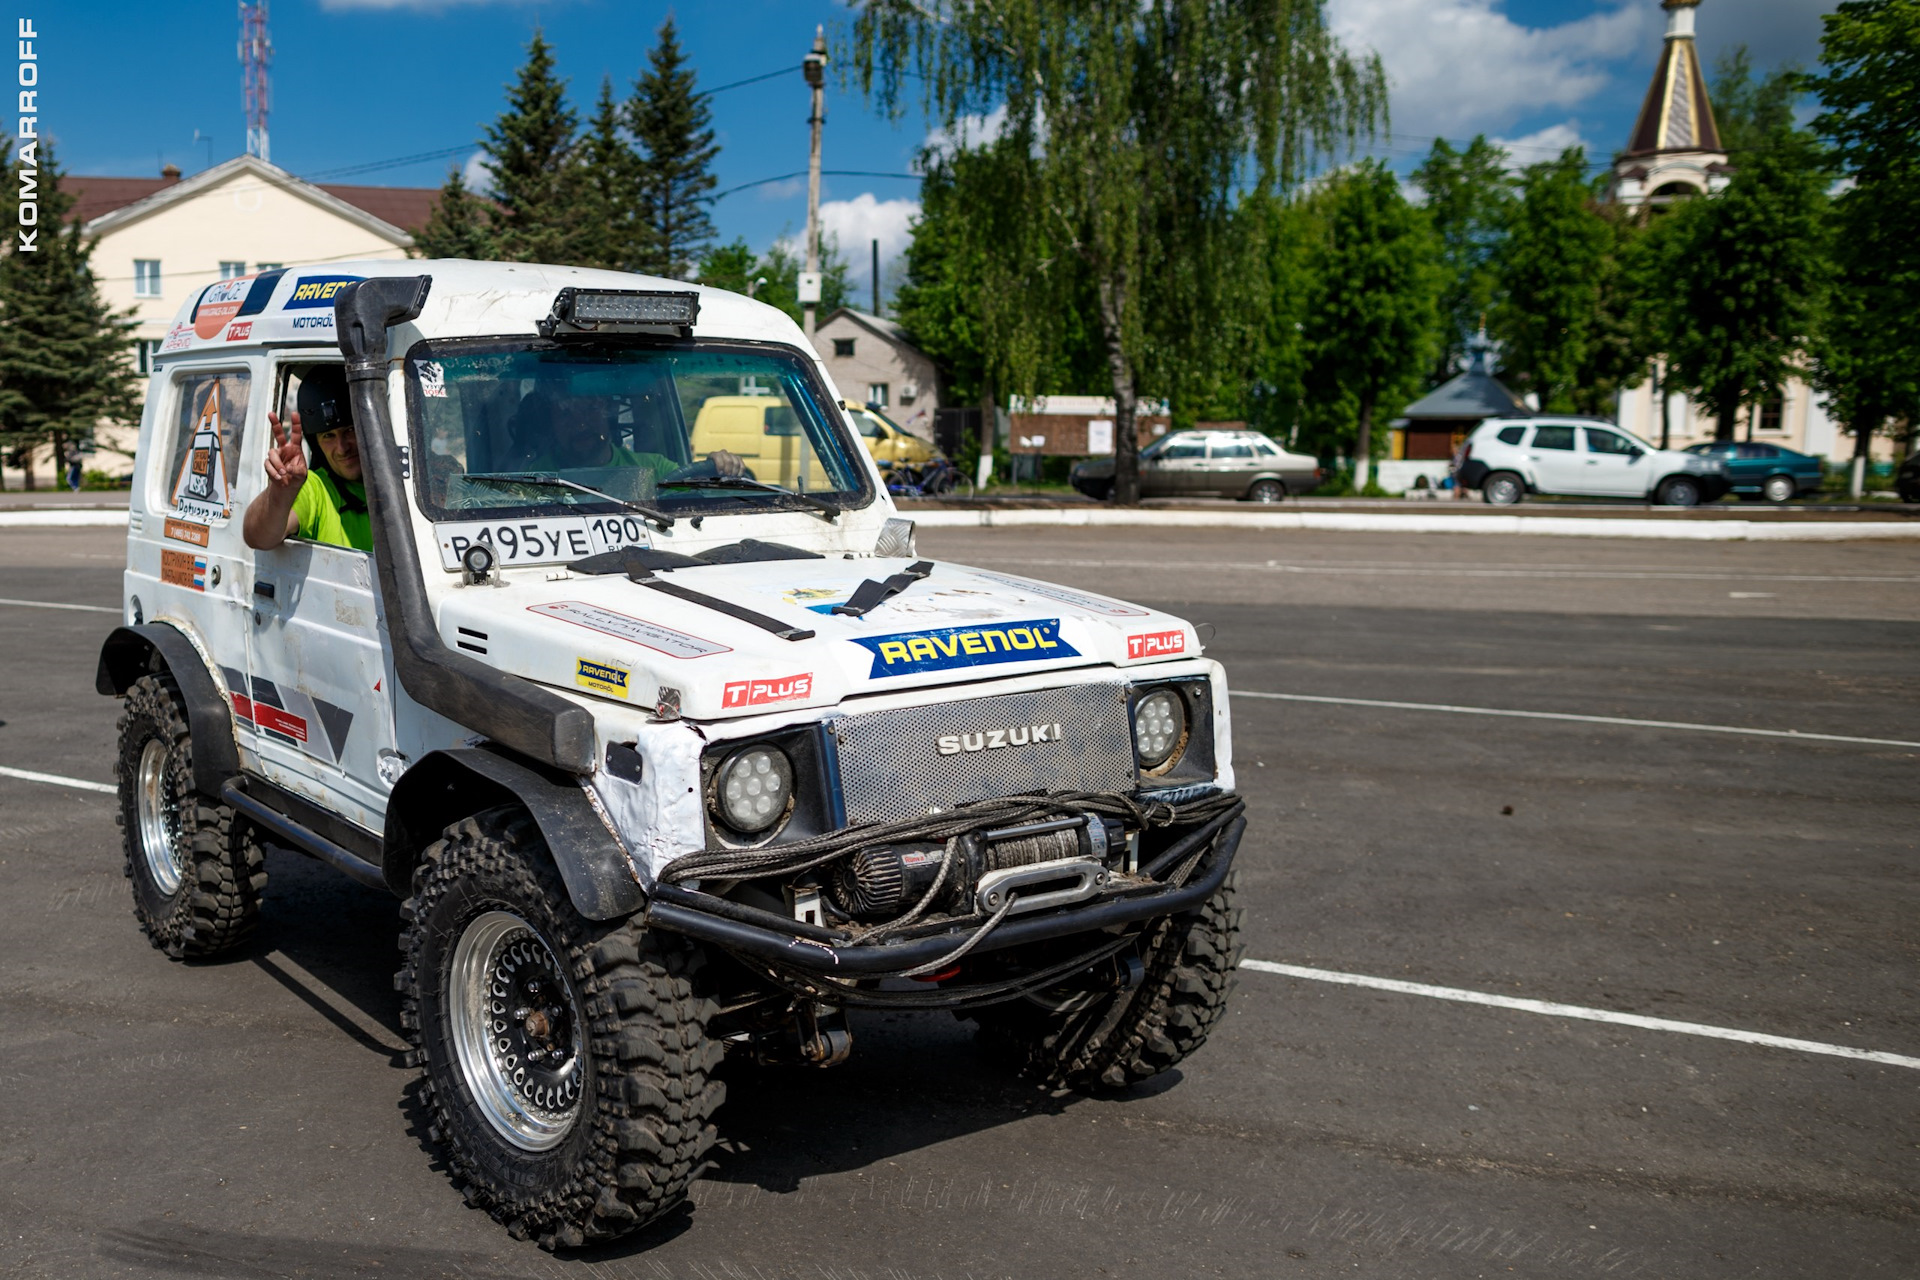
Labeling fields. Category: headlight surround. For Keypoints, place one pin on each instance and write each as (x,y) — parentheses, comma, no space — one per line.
(753,789)
(1161,730)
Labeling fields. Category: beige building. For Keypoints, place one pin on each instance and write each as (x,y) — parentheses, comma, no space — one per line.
(872,361)
(160,241)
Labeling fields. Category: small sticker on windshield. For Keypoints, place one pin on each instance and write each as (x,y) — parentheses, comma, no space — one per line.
(433,379)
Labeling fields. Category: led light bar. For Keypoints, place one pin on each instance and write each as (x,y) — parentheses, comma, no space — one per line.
(607,311)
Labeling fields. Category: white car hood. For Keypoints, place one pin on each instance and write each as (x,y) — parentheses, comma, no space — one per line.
(612,638)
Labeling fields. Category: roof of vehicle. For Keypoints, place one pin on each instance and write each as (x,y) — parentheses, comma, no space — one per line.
(468,299)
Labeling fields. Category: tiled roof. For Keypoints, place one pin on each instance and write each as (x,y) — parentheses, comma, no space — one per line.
(1471,395)
(97,196)
(403,207)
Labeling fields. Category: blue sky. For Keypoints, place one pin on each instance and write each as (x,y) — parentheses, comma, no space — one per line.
(126,85)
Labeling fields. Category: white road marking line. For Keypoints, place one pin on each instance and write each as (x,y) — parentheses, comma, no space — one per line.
(28,775)
(1553,1010)
(50,604)
(1389,569)
(1568,715)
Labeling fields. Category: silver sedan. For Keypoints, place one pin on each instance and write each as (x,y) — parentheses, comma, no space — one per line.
(1208,464)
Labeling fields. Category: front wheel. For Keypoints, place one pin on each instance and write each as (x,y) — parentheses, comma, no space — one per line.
(1780,489)
(566,1062)
(1502,489)
(197,867)
(1678,491)
(1122,1038)
(1267,491)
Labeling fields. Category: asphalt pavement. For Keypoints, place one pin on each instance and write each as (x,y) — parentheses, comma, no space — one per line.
(251,1118)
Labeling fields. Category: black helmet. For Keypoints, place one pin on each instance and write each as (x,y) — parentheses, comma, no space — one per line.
(323,400)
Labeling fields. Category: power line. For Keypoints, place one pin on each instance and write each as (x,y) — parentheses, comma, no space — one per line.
(828,173)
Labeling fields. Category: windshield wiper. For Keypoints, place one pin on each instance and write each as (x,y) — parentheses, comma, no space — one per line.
(658,517)
(831,509)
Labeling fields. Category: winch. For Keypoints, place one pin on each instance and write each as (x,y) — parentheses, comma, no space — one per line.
(1038,864)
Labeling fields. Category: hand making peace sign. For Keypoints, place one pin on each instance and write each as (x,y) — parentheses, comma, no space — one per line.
(286,460)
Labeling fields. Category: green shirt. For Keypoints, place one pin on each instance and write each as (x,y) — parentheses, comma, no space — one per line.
(327,515)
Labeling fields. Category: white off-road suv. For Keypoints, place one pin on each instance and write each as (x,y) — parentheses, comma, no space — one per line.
(1507,458)
(667,760)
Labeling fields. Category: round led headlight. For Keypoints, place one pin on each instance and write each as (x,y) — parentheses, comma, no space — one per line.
(1159,729)
(753,789)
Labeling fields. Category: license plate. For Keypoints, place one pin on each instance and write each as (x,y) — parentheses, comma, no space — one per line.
(555,540)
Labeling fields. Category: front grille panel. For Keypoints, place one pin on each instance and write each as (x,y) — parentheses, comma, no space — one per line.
(891,767)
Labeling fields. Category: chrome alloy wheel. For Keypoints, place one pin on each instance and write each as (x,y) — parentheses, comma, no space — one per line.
(517,1030)
(159,808)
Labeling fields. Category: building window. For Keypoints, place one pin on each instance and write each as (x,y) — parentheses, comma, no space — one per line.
(268,266)
(1773,414)
(146,277)
(877,394)
(146,354)
(232,270)
(843,346)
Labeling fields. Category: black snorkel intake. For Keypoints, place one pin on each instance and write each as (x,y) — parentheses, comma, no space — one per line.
(513,712)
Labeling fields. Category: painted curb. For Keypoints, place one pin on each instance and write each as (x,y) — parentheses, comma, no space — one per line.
(1357,522)
(61,519)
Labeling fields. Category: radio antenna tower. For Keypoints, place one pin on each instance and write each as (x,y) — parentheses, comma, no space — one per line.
(256,55)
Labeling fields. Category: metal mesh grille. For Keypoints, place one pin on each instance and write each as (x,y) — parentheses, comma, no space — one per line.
(891,766)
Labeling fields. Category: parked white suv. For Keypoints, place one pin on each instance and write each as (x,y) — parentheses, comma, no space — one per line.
(1507,458)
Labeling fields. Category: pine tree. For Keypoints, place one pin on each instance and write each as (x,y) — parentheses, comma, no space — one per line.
(607,186)
(460,225)
(529,152)
(65,358)
(670,121)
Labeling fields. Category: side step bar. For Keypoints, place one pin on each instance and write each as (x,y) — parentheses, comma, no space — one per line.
(302,838)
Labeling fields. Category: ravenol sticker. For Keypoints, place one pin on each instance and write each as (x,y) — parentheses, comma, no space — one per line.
(948,647)
(756,693)
(601,677)
(1156,644)
(317,291)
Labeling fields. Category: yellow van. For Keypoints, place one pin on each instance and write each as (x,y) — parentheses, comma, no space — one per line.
(766,433)
(889,445)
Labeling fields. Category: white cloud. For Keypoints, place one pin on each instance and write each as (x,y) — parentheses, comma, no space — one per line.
(1460,67)
(970,131)
(857,223)
(1543,144)
(476,175)
(786,190)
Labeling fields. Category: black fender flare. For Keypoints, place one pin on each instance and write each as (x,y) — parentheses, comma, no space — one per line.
(128,654)
(446,786)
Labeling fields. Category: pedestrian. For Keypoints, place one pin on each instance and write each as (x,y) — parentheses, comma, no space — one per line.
(72,460)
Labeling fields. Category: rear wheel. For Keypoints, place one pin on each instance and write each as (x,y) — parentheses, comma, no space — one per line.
(1780,489)
(1678,491)
(566,1061)
(1267,491)
(1098,490)
(1118,1039)
(197,867)
(1502,489)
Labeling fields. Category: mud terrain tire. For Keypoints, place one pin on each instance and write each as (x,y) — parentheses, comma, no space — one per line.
(197,867)
(624,1124)
(1190,962)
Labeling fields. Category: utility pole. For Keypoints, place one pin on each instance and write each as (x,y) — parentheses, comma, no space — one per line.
(815,67)
(876,277)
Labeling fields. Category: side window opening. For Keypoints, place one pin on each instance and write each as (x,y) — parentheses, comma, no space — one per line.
(1553,438)
(1512,435)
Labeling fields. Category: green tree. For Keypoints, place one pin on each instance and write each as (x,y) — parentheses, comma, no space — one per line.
(1276,398)
(733,266)
(1745,276)
(781,265)
(939,298)
(1618,347)
(1131,127)
(1470,200)
(1869,357)
(606,183)
(1550,269)
(529,152)
(460,225)
(670,121)
(1750,111)
(1373,321)
(65,357)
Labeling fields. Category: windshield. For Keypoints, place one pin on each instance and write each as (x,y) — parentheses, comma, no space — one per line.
(531,428)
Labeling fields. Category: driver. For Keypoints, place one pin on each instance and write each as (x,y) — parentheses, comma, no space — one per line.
(578,436)
(327,499)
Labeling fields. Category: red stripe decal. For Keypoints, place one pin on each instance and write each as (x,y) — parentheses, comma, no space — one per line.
(278,721)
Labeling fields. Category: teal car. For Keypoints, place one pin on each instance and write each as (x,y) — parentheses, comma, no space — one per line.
(1765,470)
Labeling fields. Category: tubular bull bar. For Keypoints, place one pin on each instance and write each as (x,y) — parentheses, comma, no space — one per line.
(791,945)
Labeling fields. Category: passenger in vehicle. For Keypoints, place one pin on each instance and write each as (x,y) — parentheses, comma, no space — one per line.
(579,434)
(323,498)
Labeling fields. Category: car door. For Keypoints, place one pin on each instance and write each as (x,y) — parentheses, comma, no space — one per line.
(1230,467)
(319,692)
(1554,453)
(1175,470)
(1613,466)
